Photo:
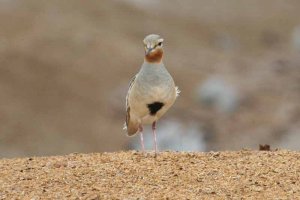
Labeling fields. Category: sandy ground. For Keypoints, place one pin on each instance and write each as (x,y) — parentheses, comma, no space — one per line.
(171,175)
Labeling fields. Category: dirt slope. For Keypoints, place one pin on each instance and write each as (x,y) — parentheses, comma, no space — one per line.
(171,175)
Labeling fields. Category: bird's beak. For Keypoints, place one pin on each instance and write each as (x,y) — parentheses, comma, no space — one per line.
(148,51)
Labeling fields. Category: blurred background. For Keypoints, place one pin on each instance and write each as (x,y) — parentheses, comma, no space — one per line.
(65,68)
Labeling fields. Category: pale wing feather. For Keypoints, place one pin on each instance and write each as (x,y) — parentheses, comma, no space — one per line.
(131,83)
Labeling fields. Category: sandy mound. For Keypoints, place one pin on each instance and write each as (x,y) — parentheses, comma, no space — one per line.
(171,175)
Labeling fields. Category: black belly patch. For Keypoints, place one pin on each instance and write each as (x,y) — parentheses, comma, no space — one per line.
(154,107)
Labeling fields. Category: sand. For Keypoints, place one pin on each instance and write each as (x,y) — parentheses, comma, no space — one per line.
(171,175)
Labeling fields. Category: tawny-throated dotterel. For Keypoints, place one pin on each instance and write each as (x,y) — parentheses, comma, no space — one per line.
(152,91)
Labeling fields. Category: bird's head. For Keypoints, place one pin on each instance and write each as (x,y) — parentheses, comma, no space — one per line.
(153,48)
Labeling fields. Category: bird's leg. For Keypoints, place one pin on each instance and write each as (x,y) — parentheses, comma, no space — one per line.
(154,136)
(142,138)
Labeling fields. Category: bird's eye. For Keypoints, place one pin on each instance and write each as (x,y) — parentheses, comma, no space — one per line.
(159,44)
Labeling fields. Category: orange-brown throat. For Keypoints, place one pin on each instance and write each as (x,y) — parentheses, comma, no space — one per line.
(154,56)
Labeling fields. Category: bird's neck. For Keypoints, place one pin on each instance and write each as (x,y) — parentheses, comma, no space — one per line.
(155,56)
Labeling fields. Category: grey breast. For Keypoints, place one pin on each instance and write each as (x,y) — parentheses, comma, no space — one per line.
(153,76)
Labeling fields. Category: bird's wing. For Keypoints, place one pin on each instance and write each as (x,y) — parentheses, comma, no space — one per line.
(132,81)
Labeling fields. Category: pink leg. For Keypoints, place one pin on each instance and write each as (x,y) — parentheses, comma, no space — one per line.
(142,138)
(154,136)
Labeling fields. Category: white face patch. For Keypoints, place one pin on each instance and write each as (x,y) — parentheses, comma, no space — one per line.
(160,40)
(150,45)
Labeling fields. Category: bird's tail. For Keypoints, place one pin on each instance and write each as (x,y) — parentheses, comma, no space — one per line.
(132,128)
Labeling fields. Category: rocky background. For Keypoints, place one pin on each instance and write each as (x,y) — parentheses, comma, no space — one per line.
(65,68)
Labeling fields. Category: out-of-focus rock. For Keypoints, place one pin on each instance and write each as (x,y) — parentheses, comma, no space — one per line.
(296,38)
(173,135)
(63,66)
(218,93)
(269,38)
(226,42)
(291,139)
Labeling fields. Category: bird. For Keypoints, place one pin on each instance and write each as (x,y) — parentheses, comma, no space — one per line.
(151,92)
